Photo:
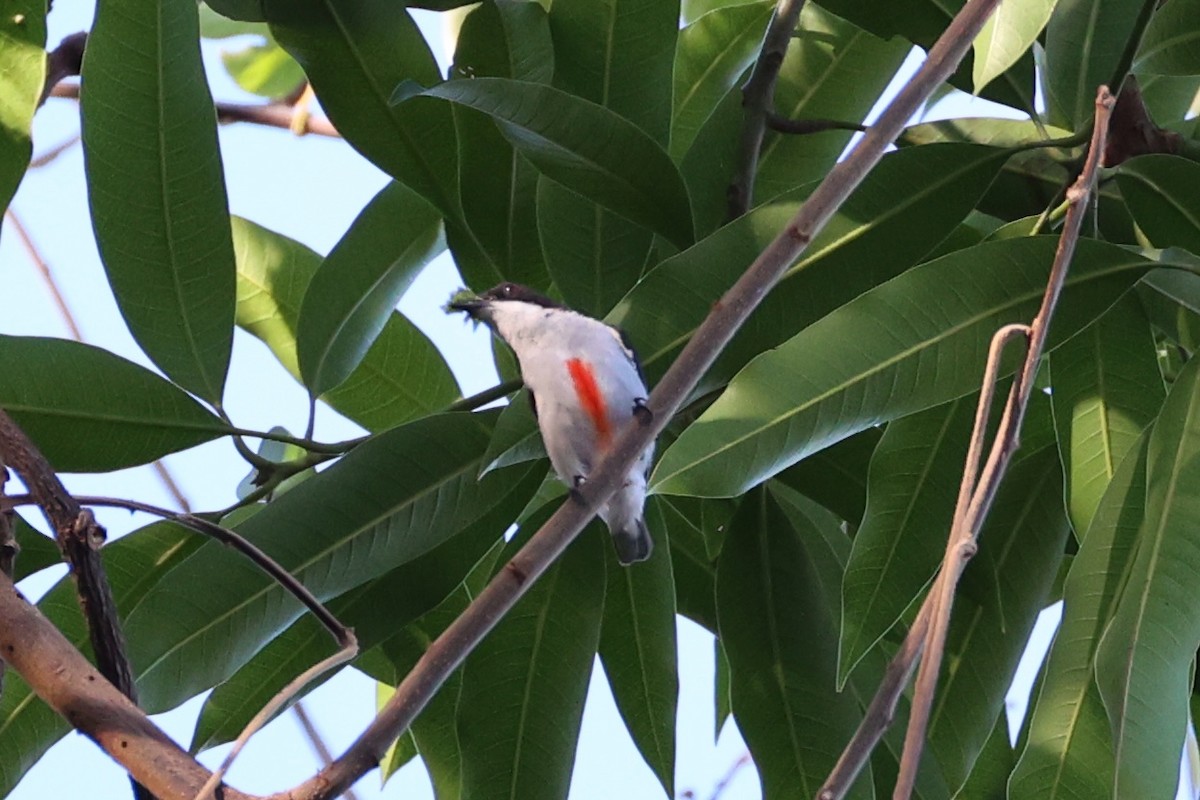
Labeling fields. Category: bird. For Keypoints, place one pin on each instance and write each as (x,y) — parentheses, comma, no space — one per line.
(584,384)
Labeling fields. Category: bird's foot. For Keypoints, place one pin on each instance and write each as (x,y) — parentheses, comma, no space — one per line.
(641,411)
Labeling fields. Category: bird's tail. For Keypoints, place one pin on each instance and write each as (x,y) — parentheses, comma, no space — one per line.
(633,542)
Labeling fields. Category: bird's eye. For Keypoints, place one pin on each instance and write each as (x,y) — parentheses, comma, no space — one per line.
(508,288)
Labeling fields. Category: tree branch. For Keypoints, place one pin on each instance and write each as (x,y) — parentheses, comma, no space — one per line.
(758,100)
(728,314)
(8,549)
(975,498)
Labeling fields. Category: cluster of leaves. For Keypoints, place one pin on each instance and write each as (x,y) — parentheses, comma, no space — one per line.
(800,502)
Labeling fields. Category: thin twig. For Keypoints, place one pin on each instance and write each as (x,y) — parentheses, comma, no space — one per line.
(782,124)
(35,255)
(758,101)
(317,742)
(340,633)
(974,504)
(271,115)
(742,762)
(54,152)
(486,396)
(448,651)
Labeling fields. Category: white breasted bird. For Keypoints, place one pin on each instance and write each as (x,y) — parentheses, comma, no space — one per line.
(585,385)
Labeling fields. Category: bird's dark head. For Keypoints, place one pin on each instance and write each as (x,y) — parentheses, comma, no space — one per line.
(480,307)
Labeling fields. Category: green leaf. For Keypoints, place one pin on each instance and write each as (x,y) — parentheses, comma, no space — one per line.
(1171,44)
(991,131)
(1143,664)
(637,649)
(989,774)
(524,685)
(836,477)
(245,10)
(516,438)
(692,567)
(918,340)
(1008,33)
(264,69)
(376,610)
(1069,754)
(1085,41)
(157,190)
(1107,389)
(1171,299)
(134,563)
(392,499)
(585,147)
(713,53)
(779,633)
(996,605)
(912,487)
(498,239)
(1161,193)
(354,53)
(402,377)
(353,293)
(403,750)
(908,203)
(22,74)
(110,414)
(36,550)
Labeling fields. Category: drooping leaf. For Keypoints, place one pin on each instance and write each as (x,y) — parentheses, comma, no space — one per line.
(583,146)
(637,649)
(110,414)
(1143,664)
(908,203)
(713,53)
(1171,44)
(353,293)
(22,74)
(157,189)
(134,563)
(991,131)
(376,610)
(402,377)
(1069,754)
(914,479)
(392,499)
(918,340)
(779,633)
(1107,389)
(1007,35)
(497,239)
(354,53)
(1161,193)
(996,605)
(1085,42)
(524,685)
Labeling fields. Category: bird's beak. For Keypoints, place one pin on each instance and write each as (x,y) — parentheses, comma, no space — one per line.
(474,306)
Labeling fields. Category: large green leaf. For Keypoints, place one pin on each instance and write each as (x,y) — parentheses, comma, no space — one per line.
(498,236)
(908,203)
(916,341)
(836,477)
(992,131)
(134,563)
(1107,389)
(375,610)
(524,685)
(692,566)
(37,551)
(1085,42)
(22,74)
(1007,35)
(110,414)
(1171,44)
(583,146)
(157,189)
(392,499)
(1069,754)
(354,53)
(996,605)
(913,484)
(713,53)
(402,377)
(779,633)
(353,293)
(637,648)
(1143,664)
(1161,193)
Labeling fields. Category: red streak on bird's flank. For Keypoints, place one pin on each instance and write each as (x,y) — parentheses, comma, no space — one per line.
(590,398)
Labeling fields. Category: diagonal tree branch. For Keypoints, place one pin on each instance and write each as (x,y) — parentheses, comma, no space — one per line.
(727,315)
(8,549)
